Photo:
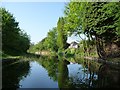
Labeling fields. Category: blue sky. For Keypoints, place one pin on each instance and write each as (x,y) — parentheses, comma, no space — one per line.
(36,18)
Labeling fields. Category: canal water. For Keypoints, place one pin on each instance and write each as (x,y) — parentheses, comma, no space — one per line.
(51,72)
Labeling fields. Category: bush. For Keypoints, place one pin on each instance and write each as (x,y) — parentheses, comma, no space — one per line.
(70,52)
(60,52)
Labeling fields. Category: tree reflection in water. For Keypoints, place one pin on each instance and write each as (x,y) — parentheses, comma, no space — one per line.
(63,74)
(98,75)
(91,74)
(108,76)
(86,73)
(50,64)
(13,72)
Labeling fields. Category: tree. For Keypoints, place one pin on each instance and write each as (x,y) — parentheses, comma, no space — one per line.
(51,40)
(99,20)
(48,43)
(62,37)
(14,40)
(24,41)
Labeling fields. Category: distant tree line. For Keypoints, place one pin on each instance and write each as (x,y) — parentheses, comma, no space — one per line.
(55,40)
(14,40)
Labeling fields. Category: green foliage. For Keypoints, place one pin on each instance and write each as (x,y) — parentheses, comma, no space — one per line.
(72,19)
(38,47)
(14,40)
(61,38)
(70,52)
(94,19)
(56,39)
(60,52)
(51,41)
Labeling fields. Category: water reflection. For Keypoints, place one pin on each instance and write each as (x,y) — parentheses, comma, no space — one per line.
(96,75)
(83,74)
(63,74)
(60,73)
(61,70)
(13,71)
(51,65)
(108,77)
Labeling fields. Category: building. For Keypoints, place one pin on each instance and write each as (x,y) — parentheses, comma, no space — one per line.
(73,45)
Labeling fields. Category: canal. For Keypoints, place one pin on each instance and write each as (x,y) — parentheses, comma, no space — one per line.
(51,72)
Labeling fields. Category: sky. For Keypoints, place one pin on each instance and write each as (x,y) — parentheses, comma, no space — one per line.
(37,18)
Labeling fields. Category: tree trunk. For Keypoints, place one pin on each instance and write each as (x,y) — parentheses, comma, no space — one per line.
(100,48)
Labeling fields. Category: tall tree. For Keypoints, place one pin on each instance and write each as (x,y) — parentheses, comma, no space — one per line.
(62,37)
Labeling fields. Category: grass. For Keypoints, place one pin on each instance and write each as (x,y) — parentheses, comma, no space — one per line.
(6,56)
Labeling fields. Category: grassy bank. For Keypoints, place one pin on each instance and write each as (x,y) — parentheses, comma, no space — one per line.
(6,56)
